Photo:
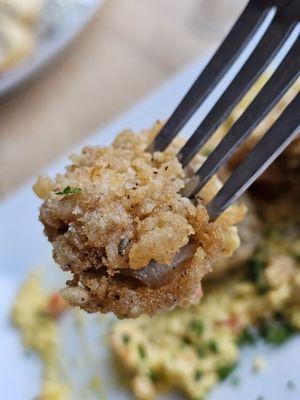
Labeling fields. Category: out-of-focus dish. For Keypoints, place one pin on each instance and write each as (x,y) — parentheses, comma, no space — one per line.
(33,32)
(18,19)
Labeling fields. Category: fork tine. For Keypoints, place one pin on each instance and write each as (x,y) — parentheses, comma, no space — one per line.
(282,79)
(277,138)
(237,39)
(268,47)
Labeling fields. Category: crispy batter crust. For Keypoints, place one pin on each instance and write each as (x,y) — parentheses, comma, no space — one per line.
(118,208)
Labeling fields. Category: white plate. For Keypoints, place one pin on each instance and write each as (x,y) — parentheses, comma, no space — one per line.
(60,23)
(23,247)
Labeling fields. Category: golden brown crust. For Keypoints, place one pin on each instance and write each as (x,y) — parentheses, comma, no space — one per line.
(120,208)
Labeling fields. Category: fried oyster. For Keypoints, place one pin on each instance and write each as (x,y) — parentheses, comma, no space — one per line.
(118,222)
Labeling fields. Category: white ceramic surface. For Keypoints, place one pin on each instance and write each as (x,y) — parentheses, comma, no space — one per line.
(61,21)
(23,247)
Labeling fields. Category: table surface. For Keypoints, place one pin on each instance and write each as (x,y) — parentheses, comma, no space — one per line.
(127,51)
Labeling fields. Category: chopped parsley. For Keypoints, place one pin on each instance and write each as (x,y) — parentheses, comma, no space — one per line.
(69,190)
(213,346)
(248,336)
(142,352)
(276,330)
(197,375)
(255,269)
(202,351)
(210,346)
(153,375)
(256,274)
(126,338)
(225,370)
(197,326)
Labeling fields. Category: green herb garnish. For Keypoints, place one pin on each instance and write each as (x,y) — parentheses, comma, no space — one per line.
(210,346)
(126,338)
(197,326)
(69,190)
(213,346)
(142,351)
(153,375)
(202,351)
(256,274)
(197,375)
(248,336)
(276,331)
(225,370)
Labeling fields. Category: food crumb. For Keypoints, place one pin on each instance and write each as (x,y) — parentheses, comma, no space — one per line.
(35,315)
(259,364)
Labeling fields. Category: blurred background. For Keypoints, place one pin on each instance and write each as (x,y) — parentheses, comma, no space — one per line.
(128,49)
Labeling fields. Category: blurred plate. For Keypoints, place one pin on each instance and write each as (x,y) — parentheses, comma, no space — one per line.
(23,247)
(61,21)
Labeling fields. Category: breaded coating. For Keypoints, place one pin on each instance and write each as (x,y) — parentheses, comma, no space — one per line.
(118,222)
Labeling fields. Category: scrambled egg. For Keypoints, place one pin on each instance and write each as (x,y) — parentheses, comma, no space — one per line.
(38,326)
(192,350)
(187,350)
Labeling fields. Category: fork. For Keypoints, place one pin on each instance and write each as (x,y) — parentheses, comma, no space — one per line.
(285,21)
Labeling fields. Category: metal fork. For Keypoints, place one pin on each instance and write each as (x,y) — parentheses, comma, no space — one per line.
(283,131)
